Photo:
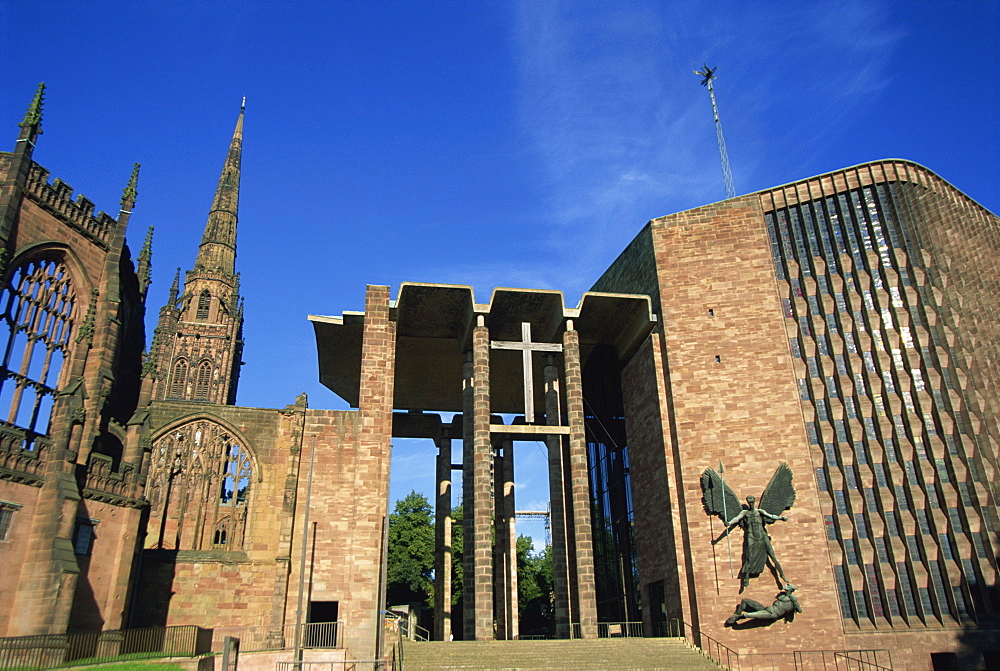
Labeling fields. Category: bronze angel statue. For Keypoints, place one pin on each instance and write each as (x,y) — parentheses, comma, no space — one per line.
(778,496)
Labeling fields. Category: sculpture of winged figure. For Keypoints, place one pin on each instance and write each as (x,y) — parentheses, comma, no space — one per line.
(778,496)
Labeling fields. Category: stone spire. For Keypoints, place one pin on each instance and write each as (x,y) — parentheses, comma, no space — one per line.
(144,265)
(33,117)
(174,288)
(129,193)
(13,181)
(217,253)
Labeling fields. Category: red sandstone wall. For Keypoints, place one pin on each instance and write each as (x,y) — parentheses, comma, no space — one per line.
(743,410)
(349,498)
(345,534)
(207,591)
(103,583)
(14,549)
(38,226)
(659,521)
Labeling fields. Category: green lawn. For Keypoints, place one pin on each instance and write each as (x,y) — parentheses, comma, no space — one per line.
(135,666)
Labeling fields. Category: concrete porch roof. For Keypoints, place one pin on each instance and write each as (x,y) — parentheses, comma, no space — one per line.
(434,325)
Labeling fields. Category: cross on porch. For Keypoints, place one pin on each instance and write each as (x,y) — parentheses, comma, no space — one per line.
(527,347)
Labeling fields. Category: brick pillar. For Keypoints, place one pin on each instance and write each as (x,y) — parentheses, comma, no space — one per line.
(375,442)
(510,537)
(578,509)
(501,547)
(442,543)
(557,516)
(468,533)
(481,512)
(505,549)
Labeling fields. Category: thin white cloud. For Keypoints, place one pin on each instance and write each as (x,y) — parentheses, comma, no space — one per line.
(622,133)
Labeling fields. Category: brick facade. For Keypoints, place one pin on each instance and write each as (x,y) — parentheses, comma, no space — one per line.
(759,360)
(845,325)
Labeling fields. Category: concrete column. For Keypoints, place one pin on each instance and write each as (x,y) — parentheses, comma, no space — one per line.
(557,516)
(482,486)
(442,543)
(578,507)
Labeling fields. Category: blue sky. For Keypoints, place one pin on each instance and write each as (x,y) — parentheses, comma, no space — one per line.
(485,143)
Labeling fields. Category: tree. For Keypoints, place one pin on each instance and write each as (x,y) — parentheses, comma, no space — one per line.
(410,569)
(534,587)
(457,571)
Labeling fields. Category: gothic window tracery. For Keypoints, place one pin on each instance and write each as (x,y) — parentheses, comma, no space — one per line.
(203,381)
(204,303)
(199,488)
(37,324)
(179,379)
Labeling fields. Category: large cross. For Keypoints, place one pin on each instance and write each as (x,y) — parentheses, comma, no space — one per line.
(527,347)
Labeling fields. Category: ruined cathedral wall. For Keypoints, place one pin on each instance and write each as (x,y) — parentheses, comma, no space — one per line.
(242,586)
(268,435)
(21,500)
(346,527)
(49,214)
(105,563)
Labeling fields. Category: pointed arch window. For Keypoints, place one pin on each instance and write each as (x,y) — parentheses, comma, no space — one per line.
(204,303)
(199,488)
(35,330)
(203,382)
(179,379)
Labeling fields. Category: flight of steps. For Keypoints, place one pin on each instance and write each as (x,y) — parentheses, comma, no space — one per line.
(604,654)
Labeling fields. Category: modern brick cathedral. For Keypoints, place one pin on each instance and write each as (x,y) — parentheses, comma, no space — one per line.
(846,325)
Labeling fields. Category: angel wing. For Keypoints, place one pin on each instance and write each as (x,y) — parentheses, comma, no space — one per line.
(779,495)
(718,498)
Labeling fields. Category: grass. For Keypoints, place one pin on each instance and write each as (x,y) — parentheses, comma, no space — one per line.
(120,666)
(135,666)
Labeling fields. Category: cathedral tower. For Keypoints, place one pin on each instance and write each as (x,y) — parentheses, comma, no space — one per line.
(198,344)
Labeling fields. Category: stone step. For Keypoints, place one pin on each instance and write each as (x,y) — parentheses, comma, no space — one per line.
(579,655)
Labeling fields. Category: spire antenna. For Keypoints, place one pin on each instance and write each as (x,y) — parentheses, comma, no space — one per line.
(708,75)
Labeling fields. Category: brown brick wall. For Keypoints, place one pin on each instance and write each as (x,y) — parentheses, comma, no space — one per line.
(15,548)
(212,590)
(659,515)
(634,271)
(102,586)
(349,498)
(742,410)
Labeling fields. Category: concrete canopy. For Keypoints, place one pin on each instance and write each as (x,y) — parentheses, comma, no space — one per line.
(434,323)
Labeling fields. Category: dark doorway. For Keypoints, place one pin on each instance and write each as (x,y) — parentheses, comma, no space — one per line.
(321,628)
(944,661)
(323,611)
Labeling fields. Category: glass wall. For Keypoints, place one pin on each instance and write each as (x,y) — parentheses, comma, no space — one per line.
(610,490)
(887,417)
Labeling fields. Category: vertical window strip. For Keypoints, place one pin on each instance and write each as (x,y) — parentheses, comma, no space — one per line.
(938,580)
(204,303)
(906,584)
(875,589)
(842,592)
